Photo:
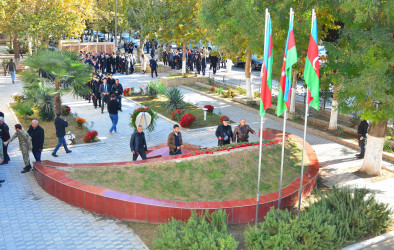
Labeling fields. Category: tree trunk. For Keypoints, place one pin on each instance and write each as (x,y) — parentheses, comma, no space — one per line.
(184,59)
(16,49)
(11,42)
(97,38)
(58,101)
(374,149)
(334,111)
(140,49)
(293,93)
(28,38)
(249,92)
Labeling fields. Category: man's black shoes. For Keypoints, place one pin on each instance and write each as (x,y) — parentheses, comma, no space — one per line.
(69,151)
(26,169)
(54,155)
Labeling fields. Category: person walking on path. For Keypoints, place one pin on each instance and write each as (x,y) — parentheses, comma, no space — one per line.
(60,125)
(4,135)
(37,136)
(138,144)
(362,130)
(117,89)
(174,141)
(25,145)
(1,156)
(11,67)
(143,63)
(241,132)
(113,107)
(153,66)
(224,133)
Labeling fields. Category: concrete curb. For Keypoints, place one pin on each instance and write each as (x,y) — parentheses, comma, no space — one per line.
(348,143)
(371,242)
(51,149)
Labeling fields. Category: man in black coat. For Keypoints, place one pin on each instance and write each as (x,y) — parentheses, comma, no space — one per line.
(224,133)
(117,89)
(362,130)
(197,62)
(36,133)
(214,61)
(138,144)
(153,66)
(203,64)
(5,136)
(96,96)
(60,125)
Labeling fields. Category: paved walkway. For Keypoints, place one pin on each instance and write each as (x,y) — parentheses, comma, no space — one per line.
(35,215)
(30,218)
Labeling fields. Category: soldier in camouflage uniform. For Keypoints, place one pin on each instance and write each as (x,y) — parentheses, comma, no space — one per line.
(1,156)
(25,145)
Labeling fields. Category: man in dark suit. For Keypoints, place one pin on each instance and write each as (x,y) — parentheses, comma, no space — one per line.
(5,136)
(105,91)
(117,89)
(36,133)
(153,66)
(96,96)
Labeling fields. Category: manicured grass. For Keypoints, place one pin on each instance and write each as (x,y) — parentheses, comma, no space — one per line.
(50,131)
(158,105)
(211,178)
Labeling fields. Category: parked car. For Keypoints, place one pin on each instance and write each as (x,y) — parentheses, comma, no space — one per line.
(256,63)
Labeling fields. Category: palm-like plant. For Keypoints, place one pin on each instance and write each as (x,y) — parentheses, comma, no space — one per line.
(175,99)
(61,68)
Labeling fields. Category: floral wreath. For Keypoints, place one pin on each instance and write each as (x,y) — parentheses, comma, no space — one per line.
(153,115)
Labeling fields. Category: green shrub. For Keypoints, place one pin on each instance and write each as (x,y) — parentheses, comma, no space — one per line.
(156,88)
(339,216)
(24,109)
(175,99)
(207,231)
(46,108)
(240,90)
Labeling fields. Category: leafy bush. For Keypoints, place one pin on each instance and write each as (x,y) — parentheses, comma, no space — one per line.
(213,89)
(339,216)
(24,109)
(240,90)
(156,88)
(256,95)
(45,108)
(355,120)
(219,90)
(187,120)
(229,93)
(175,99)
(207,231)
(18,98)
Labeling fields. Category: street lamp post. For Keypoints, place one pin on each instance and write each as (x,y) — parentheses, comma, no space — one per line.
(116,25)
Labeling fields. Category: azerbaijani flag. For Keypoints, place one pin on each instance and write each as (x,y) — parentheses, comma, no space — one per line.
(289,59)
(266,69)
(311,72)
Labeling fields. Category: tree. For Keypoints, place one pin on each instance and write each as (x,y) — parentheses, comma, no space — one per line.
(63,70)
(179,22)
(364,62)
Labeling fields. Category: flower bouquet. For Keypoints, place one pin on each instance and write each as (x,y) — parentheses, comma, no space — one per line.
(222,118)
(128,91)
(187,120)
(177,114)
(65,110)
(80,121)
(209,108)
(90,137)
(70,138)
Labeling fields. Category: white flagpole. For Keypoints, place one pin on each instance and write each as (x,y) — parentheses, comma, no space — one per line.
(305,125)
(283,136)
(261,135)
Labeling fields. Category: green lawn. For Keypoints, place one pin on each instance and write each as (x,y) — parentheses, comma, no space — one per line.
(210,178)
(158,105)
